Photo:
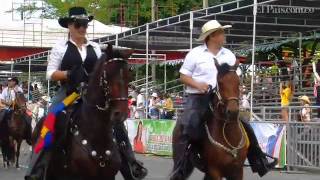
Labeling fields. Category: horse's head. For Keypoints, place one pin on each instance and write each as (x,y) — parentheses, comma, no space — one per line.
(228,90)
(20,102)
(109,82)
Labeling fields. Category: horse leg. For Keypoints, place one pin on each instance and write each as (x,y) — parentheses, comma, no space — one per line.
(18,152)
(213,174)
(236,175)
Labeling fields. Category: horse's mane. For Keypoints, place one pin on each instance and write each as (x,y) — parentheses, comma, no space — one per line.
(224,68)
(98,66)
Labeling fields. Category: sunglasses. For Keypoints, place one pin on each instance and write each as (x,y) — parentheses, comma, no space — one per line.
(80,23)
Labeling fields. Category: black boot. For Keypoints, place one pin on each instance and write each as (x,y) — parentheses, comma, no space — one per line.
(182,164)
(28,129)
(38,165)
(256,157)
(131,169)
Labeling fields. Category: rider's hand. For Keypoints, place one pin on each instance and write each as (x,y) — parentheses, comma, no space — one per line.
(203,87)
(318,79)
(76,75)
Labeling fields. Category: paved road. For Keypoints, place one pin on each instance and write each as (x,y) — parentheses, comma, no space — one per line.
(159,169)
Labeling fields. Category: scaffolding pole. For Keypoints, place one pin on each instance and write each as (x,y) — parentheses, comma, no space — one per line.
(29,79)
(147,68)
(165,73)
(191,28)
(253,55)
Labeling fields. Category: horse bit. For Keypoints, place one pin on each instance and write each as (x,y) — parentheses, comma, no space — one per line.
(233,150)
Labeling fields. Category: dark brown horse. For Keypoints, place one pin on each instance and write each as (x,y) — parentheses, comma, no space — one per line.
(225,147)
(88,150)
(18,128)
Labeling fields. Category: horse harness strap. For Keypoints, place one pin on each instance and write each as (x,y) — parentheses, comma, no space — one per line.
(104,84)
(101,158)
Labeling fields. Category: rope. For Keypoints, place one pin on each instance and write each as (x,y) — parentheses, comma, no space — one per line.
(234,150)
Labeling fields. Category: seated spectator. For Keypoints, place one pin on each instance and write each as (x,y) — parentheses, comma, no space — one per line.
(153,106)
(168,107)
(286,93)
(305,113)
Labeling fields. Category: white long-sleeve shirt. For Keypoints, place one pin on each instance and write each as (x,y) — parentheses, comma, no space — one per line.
(60,49)
(9,94)
(199,64)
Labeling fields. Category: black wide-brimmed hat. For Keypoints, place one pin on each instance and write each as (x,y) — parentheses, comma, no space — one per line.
(75,13)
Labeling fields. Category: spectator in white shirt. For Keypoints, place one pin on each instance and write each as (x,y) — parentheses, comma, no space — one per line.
(140,105)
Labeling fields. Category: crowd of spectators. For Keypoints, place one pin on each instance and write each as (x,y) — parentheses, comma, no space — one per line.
(157,106)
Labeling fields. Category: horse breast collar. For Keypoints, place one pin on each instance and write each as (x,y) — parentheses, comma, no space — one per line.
(101,158)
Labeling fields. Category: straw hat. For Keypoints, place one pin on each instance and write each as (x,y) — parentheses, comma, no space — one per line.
(210,27)
(305,98)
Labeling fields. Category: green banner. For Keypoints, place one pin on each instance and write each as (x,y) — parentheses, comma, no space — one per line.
(151,136)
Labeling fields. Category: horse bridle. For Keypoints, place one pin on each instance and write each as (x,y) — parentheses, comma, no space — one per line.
(105,85)
(221,101)
(233,150)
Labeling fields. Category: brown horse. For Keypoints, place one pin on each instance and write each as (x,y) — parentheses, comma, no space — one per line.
(225,147)
(88,150)
(18,128)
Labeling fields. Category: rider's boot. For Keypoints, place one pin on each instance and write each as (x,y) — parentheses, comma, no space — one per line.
(38,165)
(256,157)
(29,129)
(182,152)
(131,168)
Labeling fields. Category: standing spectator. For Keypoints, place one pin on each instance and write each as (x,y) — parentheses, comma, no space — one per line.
(129,106)
(286,93)
(140,105)
(245,99)
(153,106)
(316,71)
(168,107)
(35,94)
(305,113)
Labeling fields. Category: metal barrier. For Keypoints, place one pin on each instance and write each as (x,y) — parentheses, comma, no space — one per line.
(302,139)
(303,146)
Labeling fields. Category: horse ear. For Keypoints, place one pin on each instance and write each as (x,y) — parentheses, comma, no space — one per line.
(109,52)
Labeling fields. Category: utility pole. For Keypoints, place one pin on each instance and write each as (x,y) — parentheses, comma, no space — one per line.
(205,4)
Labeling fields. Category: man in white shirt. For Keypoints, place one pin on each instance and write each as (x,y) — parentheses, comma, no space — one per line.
(141,105)
(198,73)
(8,96)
